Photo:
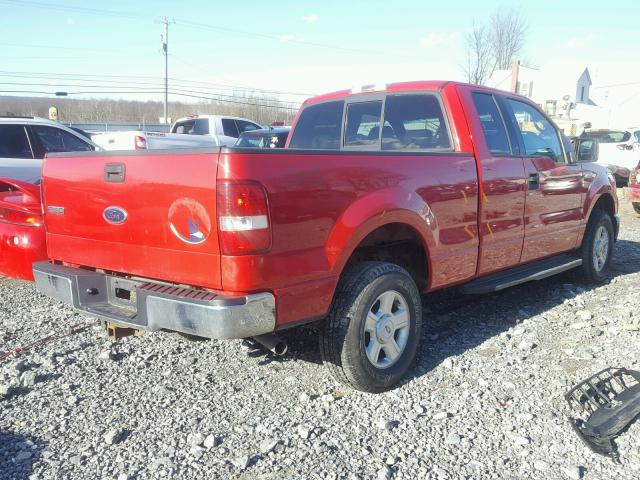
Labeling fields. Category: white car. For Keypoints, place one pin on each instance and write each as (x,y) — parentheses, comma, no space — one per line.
(24,141)
(616,147)
(188,132)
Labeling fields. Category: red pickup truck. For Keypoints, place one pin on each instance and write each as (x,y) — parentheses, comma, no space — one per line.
(380,195)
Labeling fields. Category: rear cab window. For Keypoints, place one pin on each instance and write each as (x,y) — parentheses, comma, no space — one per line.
(185,127)
(229,128)
(319,127)
(363,124)
(244,126)
(14,142)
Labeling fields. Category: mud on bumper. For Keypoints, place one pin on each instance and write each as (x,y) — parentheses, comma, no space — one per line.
(146,305)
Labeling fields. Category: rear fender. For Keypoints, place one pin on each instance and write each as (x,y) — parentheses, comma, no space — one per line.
(369,212)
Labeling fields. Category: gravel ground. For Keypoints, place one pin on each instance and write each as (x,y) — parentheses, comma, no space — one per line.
(485,399)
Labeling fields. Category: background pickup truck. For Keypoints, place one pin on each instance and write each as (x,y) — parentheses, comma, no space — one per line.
(380,195)
(189,132)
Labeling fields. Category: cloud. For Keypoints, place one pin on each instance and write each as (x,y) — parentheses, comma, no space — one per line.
(435,39)
(313,18)
(580,41)
(286,37)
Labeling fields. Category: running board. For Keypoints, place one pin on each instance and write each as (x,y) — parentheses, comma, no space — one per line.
(515,276)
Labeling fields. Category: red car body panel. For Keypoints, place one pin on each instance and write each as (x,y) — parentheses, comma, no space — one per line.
(472,211)
(21,244)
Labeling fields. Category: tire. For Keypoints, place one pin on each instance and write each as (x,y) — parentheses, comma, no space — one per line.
(376,304)
(596,257)
(636,207)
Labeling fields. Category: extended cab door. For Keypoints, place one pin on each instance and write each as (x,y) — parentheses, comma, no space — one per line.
(503,185)
(553,206)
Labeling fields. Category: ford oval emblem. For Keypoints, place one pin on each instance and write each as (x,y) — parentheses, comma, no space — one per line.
(115,215)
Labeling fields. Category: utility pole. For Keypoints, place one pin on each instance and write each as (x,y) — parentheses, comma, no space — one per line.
(165,50)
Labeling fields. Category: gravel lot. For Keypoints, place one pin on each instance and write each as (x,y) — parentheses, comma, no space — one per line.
(485,399)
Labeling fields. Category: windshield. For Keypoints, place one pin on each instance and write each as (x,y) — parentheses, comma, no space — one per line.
(609,136)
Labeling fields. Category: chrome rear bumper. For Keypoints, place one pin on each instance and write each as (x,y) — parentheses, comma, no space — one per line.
(146,305)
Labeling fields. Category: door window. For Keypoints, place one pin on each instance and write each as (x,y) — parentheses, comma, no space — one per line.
(186,128)
(56,140)
(493,127)
(539,136)
(363,125)
(414,122)
(587,150)
(319,127)
(14,142)
(229,127)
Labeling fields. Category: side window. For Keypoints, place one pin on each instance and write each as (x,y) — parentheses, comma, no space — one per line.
(414,122)
(493,127)
(363,124)
(185,128)
(539,136)
(14,142)
(230,128)
(319,127)
(587,150)
(56,140)
(637,136)
(201,126)
(244,126)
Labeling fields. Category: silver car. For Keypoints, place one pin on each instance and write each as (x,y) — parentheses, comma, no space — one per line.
(24,141)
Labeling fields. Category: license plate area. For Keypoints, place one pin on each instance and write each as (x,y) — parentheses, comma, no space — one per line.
(123,293)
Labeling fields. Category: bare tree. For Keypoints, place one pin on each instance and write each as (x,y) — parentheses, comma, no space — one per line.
(508,33)
(495,45)
(480,62)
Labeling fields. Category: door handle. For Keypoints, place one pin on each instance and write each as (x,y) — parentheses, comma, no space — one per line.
(114,172)
(534,181)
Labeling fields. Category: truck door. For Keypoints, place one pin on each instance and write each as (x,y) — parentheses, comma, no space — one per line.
(553,205)
(501,171)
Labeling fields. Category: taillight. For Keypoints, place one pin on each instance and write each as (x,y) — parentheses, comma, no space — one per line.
(140,142)
(16,217)
(634,176)
(243,218)
(624,146)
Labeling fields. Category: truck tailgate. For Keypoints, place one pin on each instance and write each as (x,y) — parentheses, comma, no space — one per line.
(150,214)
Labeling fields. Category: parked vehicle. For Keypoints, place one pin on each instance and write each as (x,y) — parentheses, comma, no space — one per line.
(632,193)
(22,234)
(24,141)
(264,138)
(616,147)
(190,132)
(588,150)
(379,196)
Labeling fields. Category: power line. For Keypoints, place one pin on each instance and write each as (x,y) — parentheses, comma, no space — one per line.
(103,78)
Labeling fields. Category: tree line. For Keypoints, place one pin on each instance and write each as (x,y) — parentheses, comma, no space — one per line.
(262,109)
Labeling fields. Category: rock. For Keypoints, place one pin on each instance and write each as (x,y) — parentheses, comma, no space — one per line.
(328,398)
(453,439)
(578,325)
(304,398)
(211,441)
(447,363)
(268,445)
(391,460)
(385,473)
(106,355)
(28,379)
(572,472)
(112,437)
(584,315)
(196,439)
(384,424)
(23,455)
(441,416)
(525,417)
(241,462)
(521,441)
(304,432)
(541,465)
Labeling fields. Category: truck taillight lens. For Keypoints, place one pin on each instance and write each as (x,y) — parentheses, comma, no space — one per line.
(16,217)
(243,218)
(140,142)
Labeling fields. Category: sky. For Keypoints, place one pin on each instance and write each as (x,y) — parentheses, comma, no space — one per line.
(297,47)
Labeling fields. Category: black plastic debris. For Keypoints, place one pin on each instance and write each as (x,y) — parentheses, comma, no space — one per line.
(604,405)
